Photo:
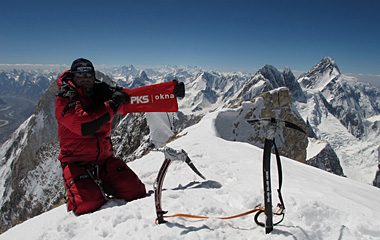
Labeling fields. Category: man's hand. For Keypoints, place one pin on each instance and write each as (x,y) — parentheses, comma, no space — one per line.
(179,89)
(120,97)
(117,99)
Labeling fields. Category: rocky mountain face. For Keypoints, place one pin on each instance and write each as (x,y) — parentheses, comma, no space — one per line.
(329,105)
(277,104)
(268,78)
(320,75)
(20,91)
(209,91)
(325,158)
(130,138)
(332,97)
(29,171)
(349,101)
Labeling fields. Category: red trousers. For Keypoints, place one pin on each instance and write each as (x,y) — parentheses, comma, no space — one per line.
(86,196)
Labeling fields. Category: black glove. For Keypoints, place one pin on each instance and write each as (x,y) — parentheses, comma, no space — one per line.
(118,98)
(179,89)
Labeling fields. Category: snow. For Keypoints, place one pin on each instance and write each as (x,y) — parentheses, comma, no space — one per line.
(319,205)
(161,127)
(374,118)
(314,147)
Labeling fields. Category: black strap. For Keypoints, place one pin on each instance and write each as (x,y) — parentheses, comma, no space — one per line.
(295,127)
(279,170)
(267,188)
(90,128)
(267,185)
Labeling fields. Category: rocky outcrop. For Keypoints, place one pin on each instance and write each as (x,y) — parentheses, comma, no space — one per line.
(277,104)
(130,138)
(325,157)
(293,86)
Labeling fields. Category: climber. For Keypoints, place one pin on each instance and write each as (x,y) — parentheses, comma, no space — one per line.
(84,109)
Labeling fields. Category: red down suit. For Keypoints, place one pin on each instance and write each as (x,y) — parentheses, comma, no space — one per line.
(84,127)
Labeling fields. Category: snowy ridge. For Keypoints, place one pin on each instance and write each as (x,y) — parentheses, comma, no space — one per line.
(346,209)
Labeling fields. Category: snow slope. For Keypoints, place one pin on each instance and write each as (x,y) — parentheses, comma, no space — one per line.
(319,205)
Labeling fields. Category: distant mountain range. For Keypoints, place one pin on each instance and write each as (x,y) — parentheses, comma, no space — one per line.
(340,114)
(30,85)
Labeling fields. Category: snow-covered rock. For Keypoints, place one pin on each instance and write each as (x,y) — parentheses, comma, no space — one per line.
(276,104)
(321,155)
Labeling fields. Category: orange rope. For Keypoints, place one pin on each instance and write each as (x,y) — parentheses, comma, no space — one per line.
(204,217)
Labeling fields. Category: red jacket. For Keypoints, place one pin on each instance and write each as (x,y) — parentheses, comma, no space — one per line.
(84,124)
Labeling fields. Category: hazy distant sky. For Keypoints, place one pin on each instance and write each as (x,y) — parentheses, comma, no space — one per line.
(241,35)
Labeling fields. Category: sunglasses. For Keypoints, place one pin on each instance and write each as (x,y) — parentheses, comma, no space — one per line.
(83,74)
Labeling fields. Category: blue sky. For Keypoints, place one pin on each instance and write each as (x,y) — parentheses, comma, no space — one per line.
(240,35)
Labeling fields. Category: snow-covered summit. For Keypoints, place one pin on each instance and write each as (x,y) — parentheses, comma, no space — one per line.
(320,75)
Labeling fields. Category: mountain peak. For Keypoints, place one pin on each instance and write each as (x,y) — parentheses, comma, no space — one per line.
(321,74)
(143,75)
(273,75)
(328,63)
